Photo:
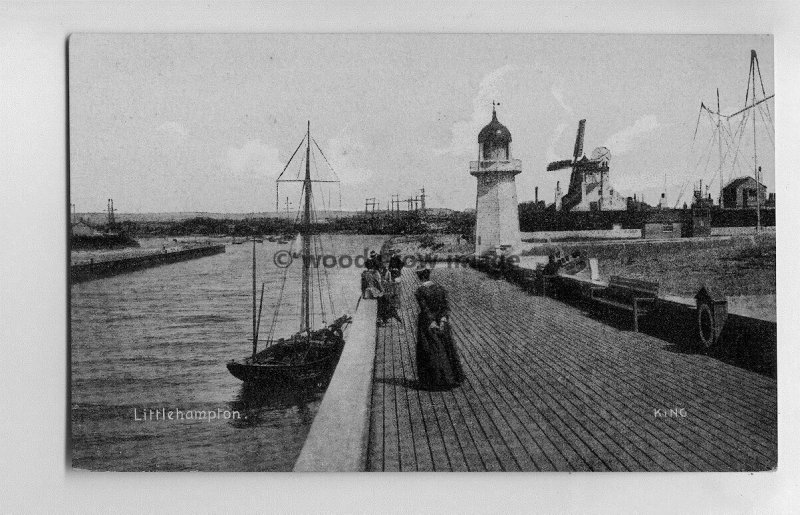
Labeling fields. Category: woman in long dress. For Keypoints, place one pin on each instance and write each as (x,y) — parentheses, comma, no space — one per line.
(371,286)
(438,363)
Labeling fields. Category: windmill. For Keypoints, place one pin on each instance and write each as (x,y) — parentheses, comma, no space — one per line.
(589,176)
(574,194)
(570,163)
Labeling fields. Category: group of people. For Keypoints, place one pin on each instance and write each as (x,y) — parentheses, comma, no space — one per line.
(378,281)
(437,359)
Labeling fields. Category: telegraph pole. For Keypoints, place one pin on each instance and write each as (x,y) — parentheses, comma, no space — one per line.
(111,220)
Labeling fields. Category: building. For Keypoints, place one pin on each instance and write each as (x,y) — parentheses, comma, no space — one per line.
(497,217)
(740,193)
(662,225)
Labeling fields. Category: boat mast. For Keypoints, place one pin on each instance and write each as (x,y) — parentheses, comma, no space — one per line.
(719,138)
(305,315)
(753,63)
(255,331)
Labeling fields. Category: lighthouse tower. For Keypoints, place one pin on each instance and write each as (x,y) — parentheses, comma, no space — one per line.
(497,219)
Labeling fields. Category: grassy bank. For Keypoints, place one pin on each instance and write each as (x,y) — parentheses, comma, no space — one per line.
(742,265)
(435,245)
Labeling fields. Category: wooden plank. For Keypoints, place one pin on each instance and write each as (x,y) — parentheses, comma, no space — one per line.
(452,443)
(660,388)
(511,448)
(574,432)
(643,461)
(670,375)
(593,405)
(482,294)
(550,388)
(561,358)
(408,457)
(375,454)
(391,432)
(422,423)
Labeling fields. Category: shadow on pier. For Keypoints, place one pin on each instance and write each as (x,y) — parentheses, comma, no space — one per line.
(552,386)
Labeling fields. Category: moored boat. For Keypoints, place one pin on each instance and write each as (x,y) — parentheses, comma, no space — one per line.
(310,353)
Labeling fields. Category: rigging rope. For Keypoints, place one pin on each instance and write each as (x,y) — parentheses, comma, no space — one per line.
(741,130)
(737,153)
(765,123)
(317,245)
(276,313)
(328,208)
(318,251)
(290,159)
(706,150)
(691,147)
(325,158)
(278,180)
(763,91)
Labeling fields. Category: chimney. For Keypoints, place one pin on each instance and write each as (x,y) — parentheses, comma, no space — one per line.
(536,194)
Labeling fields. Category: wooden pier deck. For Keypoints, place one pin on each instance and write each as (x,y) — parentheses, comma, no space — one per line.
(550,388)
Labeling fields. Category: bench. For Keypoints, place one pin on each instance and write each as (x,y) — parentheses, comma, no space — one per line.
(628,294)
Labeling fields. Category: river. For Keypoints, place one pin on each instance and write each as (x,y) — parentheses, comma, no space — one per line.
(155,342)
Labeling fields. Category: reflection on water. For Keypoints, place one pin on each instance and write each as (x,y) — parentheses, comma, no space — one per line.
(158,339)
(255,403)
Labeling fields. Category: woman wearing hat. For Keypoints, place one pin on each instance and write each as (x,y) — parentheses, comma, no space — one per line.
(438,363)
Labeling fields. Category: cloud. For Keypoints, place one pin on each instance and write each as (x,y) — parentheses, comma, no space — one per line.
(553,153)
(347,156)
(622,141)
(253,159)
(464,133)
(558,94)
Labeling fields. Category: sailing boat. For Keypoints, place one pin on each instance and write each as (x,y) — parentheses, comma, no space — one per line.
(310,353)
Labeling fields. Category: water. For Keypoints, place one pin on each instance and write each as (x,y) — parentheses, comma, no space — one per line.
(159,339)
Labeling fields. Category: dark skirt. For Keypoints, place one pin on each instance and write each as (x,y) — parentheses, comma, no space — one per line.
(388,303)
(438,363)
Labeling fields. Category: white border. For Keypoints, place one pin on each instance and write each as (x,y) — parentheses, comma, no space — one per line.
(33,285)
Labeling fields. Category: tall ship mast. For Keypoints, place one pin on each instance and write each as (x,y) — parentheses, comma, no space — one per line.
(731,136)
(311,352)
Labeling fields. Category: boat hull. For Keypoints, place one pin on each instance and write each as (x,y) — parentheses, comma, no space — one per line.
(300,359)
(267,373)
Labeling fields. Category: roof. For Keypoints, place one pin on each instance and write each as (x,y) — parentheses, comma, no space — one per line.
(495,132)
(735,183)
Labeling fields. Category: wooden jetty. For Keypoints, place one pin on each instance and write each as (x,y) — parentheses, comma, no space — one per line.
(98,269)
(550,387)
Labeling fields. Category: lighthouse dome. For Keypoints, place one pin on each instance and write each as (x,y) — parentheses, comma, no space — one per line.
(495,133)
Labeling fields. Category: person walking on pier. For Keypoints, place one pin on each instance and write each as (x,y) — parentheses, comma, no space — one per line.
(395,265)
(371,287)
(388,304)
(438,363)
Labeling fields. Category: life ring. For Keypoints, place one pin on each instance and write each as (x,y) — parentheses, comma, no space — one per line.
(706,325)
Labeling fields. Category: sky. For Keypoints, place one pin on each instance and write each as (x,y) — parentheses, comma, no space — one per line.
(206,122)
